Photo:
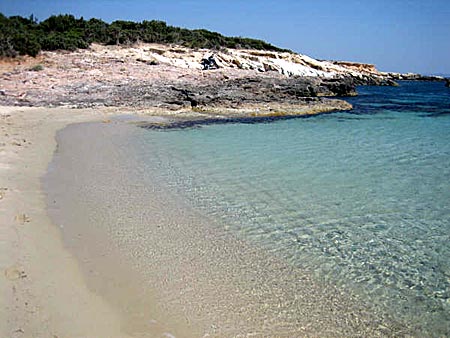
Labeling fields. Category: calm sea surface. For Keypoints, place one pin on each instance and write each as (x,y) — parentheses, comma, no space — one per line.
(361,199)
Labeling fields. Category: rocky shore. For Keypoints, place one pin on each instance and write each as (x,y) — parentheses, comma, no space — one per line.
(173,80)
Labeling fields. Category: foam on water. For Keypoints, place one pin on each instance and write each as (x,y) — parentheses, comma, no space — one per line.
(360,199)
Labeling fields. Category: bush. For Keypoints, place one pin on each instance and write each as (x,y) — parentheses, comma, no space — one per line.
(65,41)
(20,35)
(25,44)
(37,68)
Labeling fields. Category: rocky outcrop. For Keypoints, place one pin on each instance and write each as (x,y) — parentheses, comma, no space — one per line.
(81,79)
(171,78)
(284,63)
(358,67)
(447,82)
(168,79)
(233,93)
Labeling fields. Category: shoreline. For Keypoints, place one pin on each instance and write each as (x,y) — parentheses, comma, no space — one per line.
(198,272)
(44,283)
(43,287)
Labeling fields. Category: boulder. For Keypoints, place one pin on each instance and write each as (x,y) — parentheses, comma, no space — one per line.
(340,86)
(209,63)
(270,67)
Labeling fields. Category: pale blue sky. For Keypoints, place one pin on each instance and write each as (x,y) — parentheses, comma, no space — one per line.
(396,35)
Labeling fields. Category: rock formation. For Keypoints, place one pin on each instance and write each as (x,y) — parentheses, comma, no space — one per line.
(284,63)
(164,78)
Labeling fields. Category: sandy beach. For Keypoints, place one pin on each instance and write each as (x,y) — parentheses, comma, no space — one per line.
(77,285)
(43,289)
(43,293)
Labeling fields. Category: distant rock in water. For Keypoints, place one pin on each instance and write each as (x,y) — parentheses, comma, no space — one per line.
(414,77)
(447,82)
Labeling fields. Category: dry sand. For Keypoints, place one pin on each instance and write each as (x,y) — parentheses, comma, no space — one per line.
(43,293)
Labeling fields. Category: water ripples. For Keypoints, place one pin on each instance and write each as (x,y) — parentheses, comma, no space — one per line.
(364,204)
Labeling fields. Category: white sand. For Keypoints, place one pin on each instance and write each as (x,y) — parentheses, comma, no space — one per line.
(43,293)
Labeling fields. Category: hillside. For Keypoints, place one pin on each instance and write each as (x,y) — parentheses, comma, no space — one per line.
(27,36)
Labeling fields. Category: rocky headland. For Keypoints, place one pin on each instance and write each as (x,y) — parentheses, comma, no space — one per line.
(173,80)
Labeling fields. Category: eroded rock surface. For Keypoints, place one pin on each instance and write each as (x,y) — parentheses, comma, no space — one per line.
(159,77)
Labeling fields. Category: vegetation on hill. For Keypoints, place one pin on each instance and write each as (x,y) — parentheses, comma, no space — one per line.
(27,36)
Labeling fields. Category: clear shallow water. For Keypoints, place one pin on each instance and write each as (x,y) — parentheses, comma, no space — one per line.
(360,199)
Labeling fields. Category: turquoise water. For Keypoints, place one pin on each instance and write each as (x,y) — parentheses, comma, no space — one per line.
(361,199)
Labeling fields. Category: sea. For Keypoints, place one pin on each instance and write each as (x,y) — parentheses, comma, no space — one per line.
(361,198)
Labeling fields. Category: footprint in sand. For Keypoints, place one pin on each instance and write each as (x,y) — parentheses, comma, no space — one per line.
(14,273)
(22,218)
(3,193)
(168,335)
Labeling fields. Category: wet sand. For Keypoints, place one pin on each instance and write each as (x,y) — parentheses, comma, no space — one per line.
(164,266)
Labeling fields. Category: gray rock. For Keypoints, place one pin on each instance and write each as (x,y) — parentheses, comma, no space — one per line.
(203,92)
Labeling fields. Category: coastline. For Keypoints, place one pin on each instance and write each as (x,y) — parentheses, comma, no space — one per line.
(49,290)
(45,287)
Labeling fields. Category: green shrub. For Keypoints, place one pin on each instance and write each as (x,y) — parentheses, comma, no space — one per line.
(37,68)
(23,36)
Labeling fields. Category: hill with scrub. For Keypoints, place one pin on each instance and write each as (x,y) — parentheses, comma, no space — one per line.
(28,36)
